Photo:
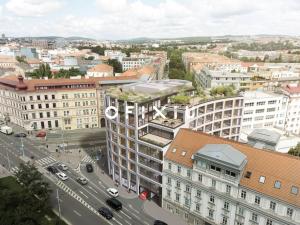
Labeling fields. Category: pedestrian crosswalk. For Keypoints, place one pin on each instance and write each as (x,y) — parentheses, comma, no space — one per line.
(14,169)
(87,159)
(46,161)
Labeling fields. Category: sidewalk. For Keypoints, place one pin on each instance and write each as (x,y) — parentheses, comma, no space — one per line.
(4,172)
(152,209)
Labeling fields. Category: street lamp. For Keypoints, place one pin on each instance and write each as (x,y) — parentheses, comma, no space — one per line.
(22,147)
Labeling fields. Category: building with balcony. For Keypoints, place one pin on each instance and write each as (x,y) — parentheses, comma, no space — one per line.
(137,141)
(132,62)
(208,180)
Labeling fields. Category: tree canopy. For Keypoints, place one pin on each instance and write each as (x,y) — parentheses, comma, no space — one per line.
(295,151)
(116,65)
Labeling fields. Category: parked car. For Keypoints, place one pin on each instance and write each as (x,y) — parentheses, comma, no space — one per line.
(82,180)
(63,167)
(62,176)
(114,203)
(89,168)
(159,222)
(20,135)
(41,134)
(52,169)
(113,192)
(105,212)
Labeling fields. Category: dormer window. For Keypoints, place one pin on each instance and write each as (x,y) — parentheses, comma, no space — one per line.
(262,179)
(277,184)
(215,168)
(248,174)
(294,190)
(174,150)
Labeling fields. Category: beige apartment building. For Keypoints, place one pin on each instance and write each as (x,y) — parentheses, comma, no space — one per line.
(66,104)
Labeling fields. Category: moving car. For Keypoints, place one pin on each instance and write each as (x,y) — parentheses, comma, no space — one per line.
(89,168)
(159,222)
(41,134)
(52,169)
(62,176)
(6,130)
(144,195)
(105,212)
(20,135)
(113,192)
(114,203)
(82,180)
(63,167)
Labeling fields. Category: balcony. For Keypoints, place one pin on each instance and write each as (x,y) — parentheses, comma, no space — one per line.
(151,152)
(171,123)
(155,140)
(150,163)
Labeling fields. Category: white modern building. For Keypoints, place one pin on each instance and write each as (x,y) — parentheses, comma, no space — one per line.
(136,143)
(208,180)
(264,109)
(131,63)
(115,54)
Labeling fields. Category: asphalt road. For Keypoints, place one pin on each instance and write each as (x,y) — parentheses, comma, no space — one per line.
(79,204)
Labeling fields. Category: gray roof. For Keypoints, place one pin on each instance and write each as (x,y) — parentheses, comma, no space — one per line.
(223,154)
(265,135)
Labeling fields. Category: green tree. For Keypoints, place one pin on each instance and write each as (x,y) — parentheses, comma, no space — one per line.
(295,150)
(62,73)
(116,65)
(42,72)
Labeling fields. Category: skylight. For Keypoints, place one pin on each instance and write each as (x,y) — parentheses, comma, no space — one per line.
(183,153)
(294,190)
(262,179)
(174,150)
(277,184)
(248,174)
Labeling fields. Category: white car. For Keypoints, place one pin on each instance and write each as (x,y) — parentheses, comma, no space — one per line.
(63,167)
(62,176)
(113,192)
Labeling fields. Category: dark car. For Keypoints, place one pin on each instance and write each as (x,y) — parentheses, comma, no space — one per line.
(89,168)
(159,222)
(20,135)
(114,203)
(105,212)
(52,169)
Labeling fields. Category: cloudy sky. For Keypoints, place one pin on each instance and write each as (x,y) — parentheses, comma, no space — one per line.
(122,19)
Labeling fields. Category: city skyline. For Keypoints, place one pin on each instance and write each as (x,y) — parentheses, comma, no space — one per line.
(124,19)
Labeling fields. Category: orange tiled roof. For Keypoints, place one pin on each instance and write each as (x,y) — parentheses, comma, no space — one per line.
(273,165)
(101,68)
(291,89)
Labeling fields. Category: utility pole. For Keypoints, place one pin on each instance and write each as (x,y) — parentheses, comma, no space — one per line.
(58,202)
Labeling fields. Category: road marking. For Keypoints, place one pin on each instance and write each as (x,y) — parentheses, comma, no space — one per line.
(83,194)
(130,206)
(117,221)
(92,189)
(100,183)
(126,215)
(132,213)
(77,213)
(127,222)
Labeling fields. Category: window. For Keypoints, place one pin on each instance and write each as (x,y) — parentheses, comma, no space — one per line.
(271,109)
(200,177)
(269,222)
(213,183)
(248,174)
(178,184)
(260,103)
(212,199)
(198,194)
(262,179)
(169,180)
(259,111)
(40,106)
(226,205)
(55,113)
(49,124)
(178,169)
(241,211)
(218,169)
(289,212)
(257,200)
(188,188)
(229,173)
(38,97)
(224,220)
(170,166)
(46,97)
(33,115)
(277,184)
(243,194)
(197,208)
(186,201)
(177,197)
(168,193)
(32,106)
(41,115)
(47,105)
(54,105)
(48,114)
(210,213)
(53,96)
(228,189)
(254,217)
(188,173)
(31,98)
(272,102)
(56,123)
(272,205)
(294,190)
(249,104)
